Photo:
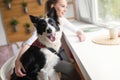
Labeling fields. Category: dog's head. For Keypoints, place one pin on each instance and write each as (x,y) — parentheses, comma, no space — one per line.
(48,26)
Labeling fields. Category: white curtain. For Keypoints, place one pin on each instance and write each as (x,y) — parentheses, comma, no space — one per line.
(3,39)
(85,10)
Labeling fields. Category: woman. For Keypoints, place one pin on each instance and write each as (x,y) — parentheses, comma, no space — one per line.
(69,72)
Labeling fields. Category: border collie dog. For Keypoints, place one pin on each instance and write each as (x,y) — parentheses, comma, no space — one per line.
(39,62)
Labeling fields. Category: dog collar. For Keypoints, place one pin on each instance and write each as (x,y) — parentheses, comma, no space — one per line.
(40,45)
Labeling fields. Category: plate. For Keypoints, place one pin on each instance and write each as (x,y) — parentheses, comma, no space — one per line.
(91,29)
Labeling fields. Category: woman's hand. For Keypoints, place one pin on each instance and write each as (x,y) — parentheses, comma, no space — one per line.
(81,35)
(18,68)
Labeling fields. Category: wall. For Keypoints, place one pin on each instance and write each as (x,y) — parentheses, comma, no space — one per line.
(17,11)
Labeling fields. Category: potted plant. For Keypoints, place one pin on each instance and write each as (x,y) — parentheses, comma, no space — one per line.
(24,4)
(40,2)
(41,16)
(27,25)
(14,22)
(8,3)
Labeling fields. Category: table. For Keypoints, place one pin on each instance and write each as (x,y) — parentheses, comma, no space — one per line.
(96,62)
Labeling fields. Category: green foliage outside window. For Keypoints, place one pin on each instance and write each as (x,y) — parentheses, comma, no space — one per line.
(109,9)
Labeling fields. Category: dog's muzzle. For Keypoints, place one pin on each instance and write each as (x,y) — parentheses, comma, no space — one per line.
(51,36)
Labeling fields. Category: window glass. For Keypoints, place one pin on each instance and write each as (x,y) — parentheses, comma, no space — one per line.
(108,10)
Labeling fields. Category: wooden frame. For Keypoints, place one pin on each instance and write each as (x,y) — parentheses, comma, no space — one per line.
(71,5)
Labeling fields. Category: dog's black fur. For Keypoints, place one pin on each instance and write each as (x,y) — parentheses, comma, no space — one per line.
(33,60)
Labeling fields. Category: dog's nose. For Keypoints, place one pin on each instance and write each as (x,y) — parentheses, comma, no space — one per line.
(49,30)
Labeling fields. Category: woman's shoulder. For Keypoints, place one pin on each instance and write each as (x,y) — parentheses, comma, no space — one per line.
(63,20)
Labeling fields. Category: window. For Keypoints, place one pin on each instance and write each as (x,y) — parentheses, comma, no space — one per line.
(107,11)
(71,10)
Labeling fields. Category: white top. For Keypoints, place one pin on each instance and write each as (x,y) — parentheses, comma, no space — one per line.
(97,62)
(64,22)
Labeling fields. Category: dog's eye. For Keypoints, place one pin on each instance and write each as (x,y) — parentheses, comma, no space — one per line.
(43,23)
(52,24)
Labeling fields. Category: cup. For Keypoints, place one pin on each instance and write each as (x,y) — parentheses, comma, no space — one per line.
(113,33)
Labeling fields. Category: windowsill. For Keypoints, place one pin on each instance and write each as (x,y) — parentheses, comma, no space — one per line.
(96,62)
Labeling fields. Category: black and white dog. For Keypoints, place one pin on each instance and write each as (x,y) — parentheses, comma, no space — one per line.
(39,62)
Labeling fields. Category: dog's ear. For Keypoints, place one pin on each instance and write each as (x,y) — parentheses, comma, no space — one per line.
(34,19)
(53,14)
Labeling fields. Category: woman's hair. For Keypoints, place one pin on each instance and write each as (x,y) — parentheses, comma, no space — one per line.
(48,4)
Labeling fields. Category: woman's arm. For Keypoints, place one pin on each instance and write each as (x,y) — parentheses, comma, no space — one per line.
(24,48)
(70,26)
(18,65)
(28,43)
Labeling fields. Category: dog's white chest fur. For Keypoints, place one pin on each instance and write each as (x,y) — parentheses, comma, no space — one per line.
(48,72)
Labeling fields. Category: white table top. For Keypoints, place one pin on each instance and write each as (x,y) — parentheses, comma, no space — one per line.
(97,62)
